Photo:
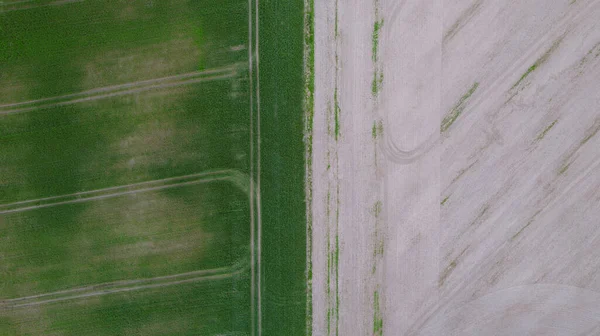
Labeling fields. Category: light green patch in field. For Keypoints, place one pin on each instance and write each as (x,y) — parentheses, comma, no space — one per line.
(374,130)
(377,129)
(539,62)
(377,81)
(546,130)
(529,70)
(377,315)
(375,36)
(456,111)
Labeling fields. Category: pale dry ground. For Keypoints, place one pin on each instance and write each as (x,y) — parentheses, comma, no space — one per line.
(459,193)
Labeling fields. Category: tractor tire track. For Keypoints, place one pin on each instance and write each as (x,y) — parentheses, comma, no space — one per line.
(237,178)
(86,98)
(5,304)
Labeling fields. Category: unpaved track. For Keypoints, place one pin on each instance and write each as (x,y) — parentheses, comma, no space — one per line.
(151,283)
(24,5)
(120,90)
(119,87)
(239,179)
(118,284)
(487,225)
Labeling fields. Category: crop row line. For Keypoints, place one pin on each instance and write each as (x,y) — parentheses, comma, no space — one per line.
(120,90)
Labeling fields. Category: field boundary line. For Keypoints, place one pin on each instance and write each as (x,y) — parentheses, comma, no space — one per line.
(12,3)
(105,285)
(236,177)
(119,90)
(125,286)
(24,4)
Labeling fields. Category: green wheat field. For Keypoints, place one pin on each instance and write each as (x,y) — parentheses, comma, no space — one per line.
(145,162)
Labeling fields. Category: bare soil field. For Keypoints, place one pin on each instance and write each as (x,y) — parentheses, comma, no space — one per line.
(455,168)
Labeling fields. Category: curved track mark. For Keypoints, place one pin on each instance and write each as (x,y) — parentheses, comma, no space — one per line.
(395,154)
